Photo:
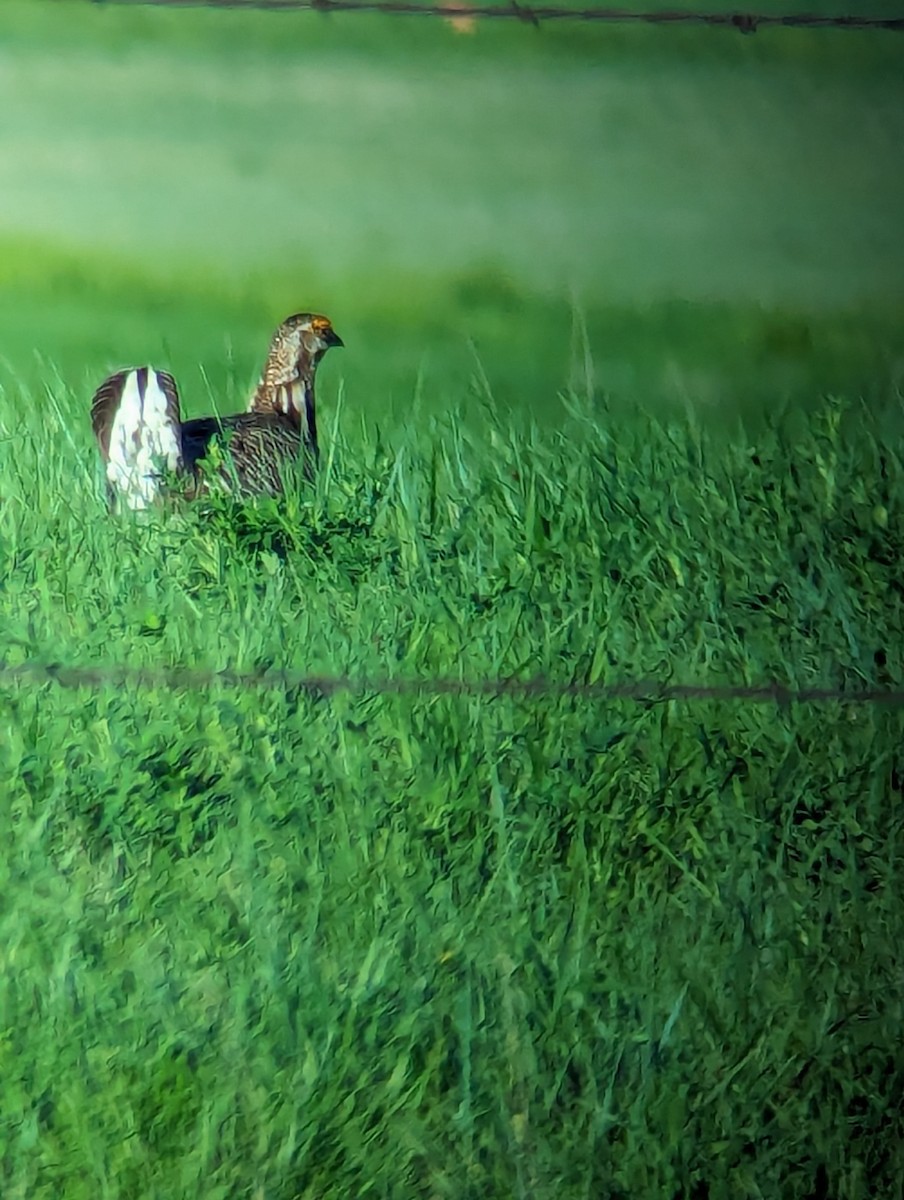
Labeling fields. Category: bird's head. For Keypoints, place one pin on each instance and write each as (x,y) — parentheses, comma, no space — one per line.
(298,345)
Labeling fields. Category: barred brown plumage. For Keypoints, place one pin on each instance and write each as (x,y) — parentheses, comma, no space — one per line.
(137,422)
(257,446)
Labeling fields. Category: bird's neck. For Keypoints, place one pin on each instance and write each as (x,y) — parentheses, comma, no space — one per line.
(294,399)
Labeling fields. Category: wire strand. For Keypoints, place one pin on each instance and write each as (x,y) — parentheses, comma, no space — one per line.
(181,678)
(535,14)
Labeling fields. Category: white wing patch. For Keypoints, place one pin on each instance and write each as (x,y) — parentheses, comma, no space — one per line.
(144,440)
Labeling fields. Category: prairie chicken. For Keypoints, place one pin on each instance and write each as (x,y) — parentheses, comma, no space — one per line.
(137,422)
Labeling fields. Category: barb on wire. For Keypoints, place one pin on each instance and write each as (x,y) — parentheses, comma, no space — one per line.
(534,14)
(647,690)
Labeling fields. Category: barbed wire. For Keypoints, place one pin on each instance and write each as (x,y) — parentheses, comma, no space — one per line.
(645,690)
(535,14)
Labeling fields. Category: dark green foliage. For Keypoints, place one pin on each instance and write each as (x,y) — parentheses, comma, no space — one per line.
(265,943)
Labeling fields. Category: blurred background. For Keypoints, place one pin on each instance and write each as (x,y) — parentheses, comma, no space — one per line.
(665,214)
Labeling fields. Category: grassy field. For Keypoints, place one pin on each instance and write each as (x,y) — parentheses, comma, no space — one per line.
(722,211)
(272,944)
(260,943)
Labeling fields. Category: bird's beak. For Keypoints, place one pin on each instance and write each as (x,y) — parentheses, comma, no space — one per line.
(332,338)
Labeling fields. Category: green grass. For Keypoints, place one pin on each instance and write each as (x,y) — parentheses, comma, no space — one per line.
(259,943)
(473,330)
(600,292)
